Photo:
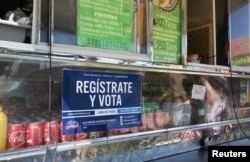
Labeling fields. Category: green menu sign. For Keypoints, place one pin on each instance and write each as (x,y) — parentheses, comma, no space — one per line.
(167,31)
(105,24)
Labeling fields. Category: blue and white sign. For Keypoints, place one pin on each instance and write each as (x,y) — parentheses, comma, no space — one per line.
(100,101)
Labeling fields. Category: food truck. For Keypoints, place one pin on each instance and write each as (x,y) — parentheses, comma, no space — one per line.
(121,80)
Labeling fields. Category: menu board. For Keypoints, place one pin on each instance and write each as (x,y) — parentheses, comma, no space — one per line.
(240,49)
(105,24)
(167,31)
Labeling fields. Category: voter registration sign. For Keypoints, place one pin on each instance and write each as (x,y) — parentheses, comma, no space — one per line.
(100,101)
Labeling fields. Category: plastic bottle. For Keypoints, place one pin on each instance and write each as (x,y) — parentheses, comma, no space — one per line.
(167,106)
(186,117)
(3,128)
(177,112)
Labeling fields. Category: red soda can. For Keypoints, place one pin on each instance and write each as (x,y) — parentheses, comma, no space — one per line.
(16,136)
(67,138)
(160,120)
(144,124)
(51,130)
(113,132)
(64,138)
(150,121)
(34,134)
(134,129)
(81,136)
(124,130)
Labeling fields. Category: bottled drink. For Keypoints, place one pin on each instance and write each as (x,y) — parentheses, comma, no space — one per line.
(167,107)
(16,136)
(3,128)
(177,112)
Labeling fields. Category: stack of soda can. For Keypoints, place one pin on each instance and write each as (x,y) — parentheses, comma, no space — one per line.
(36,133)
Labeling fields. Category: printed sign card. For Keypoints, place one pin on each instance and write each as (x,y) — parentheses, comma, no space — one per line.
(100,101)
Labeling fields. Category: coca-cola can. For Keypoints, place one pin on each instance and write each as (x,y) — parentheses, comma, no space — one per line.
(51,132)
(81,136)
(64,138)
(124,131)
(160,120)
(134,129)
(150,121)
(144,124)
(16,136)
(67,138)
(34,134)
(113,132)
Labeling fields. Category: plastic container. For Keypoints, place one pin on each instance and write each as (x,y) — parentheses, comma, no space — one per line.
(181,114)
(194,58)
(3,128)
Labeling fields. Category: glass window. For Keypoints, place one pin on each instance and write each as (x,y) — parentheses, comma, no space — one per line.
(169,100)
(16,18)
(174,94)
(107,25)
(65,12)
(137,26)
(44,22)
(207,27)
(239,32)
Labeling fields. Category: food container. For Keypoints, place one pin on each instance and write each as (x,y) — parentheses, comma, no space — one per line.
(194,58)
(12,31)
